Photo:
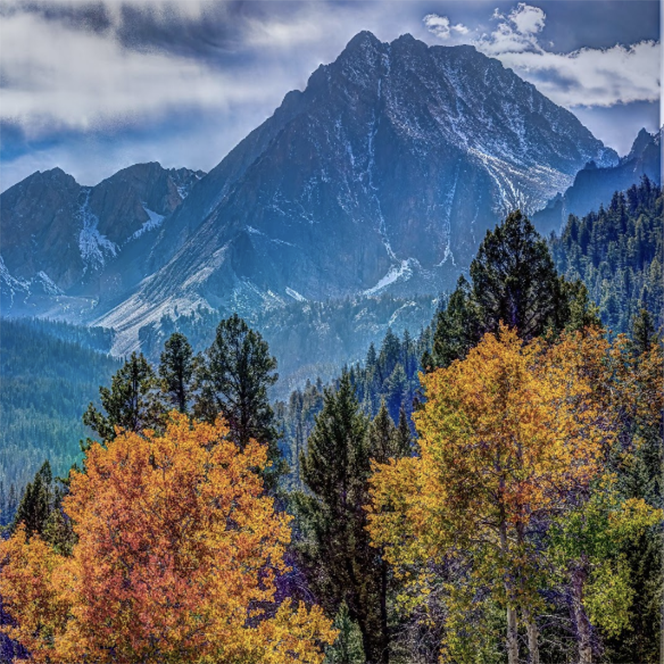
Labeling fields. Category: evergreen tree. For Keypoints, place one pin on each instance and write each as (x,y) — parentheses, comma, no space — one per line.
(514,279)
(335,469)
(458,327)
(131,403)
(643,332)
(233,377)
(176,368)
(341,565)
(617,252)
(36,503)
(40,511)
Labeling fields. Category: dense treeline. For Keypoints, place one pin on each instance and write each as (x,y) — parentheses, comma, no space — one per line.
(617,252)
(389,376)
(49,371)
(508,508)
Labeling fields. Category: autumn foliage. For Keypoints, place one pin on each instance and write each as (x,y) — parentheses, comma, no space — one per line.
(507,436)
(177,552)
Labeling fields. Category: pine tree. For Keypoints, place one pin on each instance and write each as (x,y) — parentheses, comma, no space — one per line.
(514,281)
(233,377)
(131,403)
(458,327)
(176,368)
(341,565)
(643,332)
(514,278)
(36,503)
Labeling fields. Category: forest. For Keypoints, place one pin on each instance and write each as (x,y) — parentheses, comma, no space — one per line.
(487,491)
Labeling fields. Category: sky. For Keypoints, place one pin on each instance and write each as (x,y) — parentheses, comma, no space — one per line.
(93,87)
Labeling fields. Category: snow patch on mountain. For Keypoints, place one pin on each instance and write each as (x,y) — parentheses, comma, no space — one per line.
(154,221)
(94,246)
(401,272)
(295,295)
(47,284)
(10,285)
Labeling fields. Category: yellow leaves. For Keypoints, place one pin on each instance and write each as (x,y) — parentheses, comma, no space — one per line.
(506,431)
(508,435)
(177,547)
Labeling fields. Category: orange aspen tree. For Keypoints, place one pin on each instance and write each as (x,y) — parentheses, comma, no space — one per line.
(507,436)
(177,552)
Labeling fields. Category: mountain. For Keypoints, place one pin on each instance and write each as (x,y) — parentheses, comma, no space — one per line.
(594,186)
(382,175)
(65,246)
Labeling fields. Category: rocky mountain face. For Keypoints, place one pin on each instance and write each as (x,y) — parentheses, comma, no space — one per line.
(594,185)
(66,247)
(381,176)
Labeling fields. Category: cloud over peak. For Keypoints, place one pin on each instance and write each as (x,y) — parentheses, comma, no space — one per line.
(599,77)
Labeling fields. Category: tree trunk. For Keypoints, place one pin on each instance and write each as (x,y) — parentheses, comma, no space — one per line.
(581,622)
(512,637)
(512,630)
(385,637)
(533,636)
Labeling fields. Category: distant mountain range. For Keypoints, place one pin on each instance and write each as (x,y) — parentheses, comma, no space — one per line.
(382,176)
(68,250)
(594,186)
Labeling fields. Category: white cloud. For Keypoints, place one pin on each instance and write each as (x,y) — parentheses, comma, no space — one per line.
(56,76)
(593,77)
(158,9)
(585,77)
(528,20)
(442,27)
(516,32)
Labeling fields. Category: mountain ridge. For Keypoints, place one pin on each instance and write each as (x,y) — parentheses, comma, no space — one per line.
(336,156)
(381,176)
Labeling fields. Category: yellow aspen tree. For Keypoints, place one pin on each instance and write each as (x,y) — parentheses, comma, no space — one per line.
(507,437)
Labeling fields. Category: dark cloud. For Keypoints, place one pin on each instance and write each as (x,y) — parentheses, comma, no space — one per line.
(572,24)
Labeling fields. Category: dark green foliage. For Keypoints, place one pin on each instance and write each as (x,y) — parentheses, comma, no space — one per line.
(617,251)
(457,327)
(391,377)
(45,382)
(297,419)
(40,511)
(233,377)
(342,567)
(176,369)
(340,564)
(132,402)
(36,502)
(514,281)
(643,332)
(388,378)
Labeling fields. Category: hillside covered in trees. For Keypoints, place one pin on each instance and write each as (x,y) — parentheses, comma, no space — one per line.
(49,372)
(617,252)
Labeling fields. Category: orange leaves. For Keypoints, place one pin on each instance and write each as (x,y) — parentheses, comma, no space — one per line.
(30,584)
(177,547)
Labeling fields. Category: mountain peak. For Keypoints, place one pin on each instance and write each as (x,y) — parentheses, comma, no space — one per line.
(361,40)
(641,142)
